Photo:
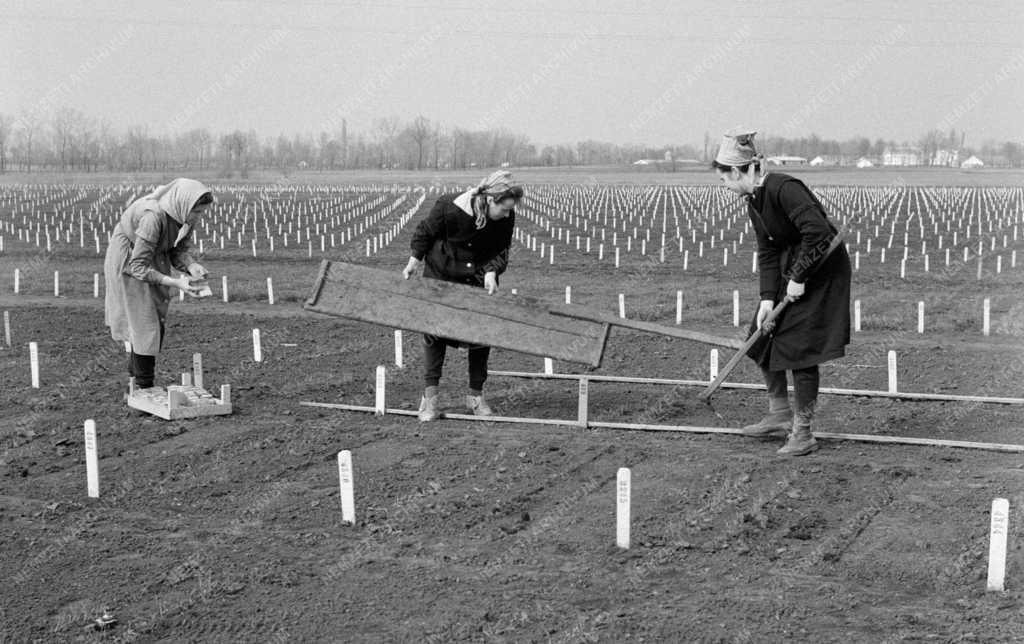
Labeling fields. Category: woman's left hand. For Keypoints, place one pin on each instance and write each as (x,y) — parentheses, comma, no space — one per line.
(196,270)
(794,290)
(491,282)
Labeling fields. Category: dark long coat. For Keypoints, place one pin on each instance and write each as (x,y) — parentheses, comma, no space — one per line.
(454,250)
(793,232)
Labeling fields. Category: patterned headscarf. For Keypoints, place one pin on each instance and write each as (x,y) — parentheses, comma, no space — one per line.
(737,148)
(498,183)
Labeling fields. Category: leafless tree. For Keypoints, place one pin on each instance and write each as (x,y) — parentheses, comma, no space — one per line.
(6,126)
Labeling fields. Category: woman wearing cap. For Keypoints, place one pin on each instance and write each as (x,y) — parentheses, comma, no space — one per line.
(793,237)
(152,237)
(464,239)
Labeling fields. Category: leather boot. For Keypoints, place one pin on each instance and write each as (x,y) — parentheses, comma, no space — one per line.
(800,440)
(776,424)
(428,409)
(478,406)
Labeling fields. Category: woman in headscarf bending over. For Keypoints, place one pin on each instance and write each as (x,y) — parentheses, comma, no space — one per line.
(152,237)
(793,240)
(464,239)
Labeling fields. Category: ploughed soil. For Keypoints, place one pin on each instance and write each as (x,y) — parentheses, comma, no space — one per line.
(230,528)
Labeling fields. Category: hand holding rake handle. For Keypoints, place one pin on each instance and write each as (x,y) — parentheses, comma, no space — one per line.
(766,326)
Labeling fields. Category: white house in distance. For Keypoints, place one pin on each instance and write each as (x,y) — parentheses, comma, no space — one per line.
(865,162)
(972,162)
(903,155)
(783,159)
(817,161)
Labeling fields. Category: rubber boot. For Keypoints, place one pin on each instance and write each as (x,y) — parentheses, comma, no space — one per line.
(800,440)
(478,406)
(776,424)
(428,409)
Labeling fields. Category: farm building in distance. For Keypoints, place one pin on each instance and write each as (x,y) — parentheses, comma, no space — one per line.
(903,155)
(783,159)
(972,162)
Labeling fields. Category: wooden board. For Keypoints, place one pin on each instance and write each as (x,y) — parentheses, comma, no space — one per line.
(454,311)
(578,312)
(197,402)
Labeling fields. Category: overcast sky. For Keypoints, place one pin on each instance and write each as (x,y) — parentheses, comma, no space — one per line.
(644,72)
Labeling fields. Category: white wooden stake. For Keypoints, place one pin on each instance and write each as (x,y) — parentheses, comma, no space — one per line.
(257,350)
(997,544)
(616,257)
(622,305)
(986,317)
(856,315)
(197,369)
(582,414)
(348,503)
(568,295)
(56,283)
(95,285)
(549,366)
(92,470)
(33,357)
(224,288)
(7,328)
(920,317)
(713,366)
(379,408)
(679,307)
(622,493)
(399,360)
(270,290)
(892,371)
(17,281)
(735,308)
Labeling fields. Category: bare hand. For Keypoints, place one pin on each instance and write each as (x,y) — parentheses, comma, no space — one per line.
(491,282)
(410,267)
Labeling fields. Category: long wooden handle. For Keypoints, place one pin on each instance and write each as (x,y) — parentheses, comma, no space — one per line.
(735,359)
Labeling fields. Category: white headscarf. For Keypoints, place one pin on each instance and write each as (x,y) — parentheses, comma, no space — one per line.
(177,199)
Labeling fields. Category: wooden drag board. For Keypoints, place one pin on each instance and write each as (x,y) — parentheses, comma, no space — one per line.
(455,311)
(197,402)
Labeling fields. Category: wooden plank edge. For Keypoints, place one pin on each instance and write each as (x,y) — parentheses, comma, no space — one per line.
(867,393)
(867,438)
(318,285)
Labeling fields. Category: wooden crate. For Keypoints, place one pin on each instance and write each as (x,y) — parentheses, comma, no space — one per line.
(179,401)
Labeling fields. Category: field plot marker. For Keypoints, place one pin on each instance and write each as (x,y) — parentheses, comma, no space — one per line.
(270,290)
(713,364)
(892,371)
(920,317)
(622,492)
(399,362)
(92,470)
(986,317)
(735,308)
(7,328)
(17,280)
(622,305)
(584,403)
(257,350)
(679,307)
(568,295)
(549,366)
(33,358)
(997,544)
(56,283)
(224,288)
(95,285)
(197,370)
(348,503)
(378,407)
(856,315)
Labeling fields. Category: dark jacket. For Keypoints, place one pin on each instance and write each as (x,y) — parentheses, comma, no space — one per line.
(452,248)
(793,232)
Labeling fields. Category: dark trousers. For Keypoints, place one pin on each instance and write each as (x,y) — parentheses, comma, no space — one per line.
(434,349)
(805,386)
(143,367)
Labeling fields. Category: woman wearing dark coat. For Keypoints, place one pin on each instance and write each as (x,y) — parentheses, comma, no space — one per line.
(464,239)
(793,235)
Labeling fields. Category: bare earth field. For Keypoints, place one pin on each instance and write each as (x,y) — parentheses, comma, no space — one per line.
(229,529)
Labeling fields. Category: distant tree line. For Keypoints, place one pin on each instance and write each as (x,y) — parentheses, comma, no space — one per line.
(69,141)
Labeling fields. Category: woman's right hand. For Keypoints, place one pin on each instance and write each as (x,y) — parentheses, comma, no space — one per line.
(182,283)
(411,267)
